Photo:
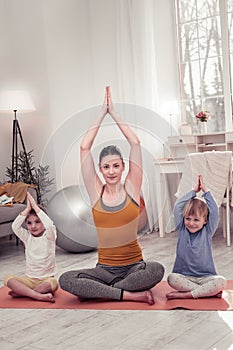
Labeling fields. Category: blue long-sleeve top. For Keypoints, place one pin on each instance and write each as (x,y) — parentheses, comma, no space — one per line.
(194,250)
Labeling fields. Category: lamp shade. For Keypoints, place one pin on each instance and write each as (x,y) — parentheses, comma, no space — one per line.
(16,100)
(170,107)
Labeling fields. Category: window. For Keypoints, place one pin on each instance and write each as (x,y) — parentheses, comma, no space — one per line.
(205,46)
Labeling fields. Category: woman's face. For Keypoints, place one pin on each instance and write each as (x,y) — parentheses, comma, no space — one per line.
(112,167)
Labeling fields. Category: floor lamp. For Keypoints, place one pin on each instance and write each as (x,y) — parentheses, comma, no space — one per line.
(171,110)
(17,101)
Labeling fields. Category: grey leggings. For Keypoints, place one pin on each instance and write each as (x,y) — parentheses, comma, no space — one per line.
(198,286)
(110,282)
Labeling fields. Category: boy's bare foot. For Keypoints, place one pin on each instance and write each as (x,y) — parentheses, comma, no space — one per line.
(188,295)
(144,297)
(179,295)
(218,295)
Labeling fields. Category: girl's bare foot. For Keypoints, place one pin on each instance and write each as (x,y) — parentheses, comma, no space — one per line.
(38,296)
(14,295)
(144,297)
(43,288)
(47,297)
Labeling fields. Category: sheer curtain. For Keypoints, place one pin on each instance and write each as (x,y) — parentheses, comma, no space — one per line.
(109,41)
(136,63)
(137,83)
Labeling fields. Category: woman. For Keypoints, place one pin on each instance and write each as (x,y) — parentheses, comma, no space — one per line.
(121,272)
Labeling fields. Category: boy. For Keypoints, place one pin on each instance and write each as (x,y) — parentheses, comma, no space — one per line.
(194,274)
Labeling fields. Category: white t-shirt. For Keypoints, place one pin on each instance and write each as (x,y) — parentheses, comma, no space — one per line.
(39,251)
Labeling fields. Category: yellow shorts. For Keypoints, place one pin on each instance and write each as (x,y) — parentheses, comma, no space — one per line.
(32,283)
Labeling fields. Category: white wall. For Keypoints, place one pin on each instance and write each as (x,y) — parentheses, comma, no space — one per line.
(65,52)
(23,66)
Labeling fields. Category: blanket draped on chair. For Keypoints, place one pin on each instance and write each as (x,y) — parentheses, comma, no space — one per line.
(17,190)
(216,169)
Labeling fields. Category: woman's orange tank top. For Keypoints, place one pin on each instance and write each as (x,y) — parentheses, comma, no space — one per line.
(117,233)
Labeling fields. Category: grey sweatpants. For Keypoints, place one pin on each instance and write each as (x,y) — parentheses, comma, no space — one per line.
(110,282)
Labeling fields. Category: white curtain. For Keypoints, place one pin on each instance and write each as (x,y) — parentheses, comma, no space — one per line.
(135,42)
(136,51)
(116,46)
(68,50)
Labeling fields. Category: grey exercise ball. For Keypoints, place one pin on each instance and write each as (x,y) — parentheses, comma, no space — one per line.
(71,213)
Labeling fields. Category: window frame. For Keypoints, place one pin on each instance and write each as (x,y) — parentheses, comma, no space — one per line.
(226,69)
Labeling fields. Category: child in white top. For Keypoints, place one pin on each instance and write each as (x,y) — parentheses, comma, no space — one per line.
(39,239)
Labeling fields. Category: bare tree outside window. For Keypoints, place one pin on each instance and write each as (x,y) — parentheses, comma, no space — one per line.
(205,43)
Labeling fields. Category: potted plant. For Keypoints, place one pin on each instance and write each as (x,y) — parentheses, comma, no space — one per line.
(28,173)
(202,117)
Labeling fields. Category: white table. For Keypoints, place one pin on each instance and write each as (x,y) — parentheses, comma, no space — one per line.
(162,168)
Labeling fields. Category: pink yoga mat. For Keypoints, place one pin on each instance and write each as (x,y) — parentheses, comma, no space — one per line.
(65,300)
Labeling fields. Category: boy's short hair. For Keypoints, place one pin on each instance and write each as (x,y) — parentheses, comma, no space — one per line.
(196,206)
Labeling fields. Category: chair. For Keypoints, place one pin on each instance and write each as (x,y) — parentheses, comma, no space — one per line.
(226,213)
(216,168)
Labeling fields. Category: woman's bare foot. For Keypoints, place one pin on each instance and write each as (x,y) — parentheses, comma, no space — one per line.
(83,299)
(144,297)
(179,295)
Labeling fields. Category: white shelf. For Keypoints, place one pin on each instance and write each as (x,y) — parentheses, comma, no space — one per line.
(211,144)
(181,145)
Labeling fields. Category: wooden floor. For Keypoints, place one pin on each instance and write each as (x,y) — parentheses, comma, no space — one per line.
(116,330)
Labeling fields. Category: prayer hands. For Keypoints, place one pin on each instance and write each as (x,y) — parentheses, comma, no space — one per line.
(107,106)
(200,185)
(31,203)
(109,100)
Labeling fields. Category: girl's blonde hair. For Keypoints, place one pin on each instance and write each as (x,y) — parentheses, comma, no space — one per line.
(196,206)
(33,212)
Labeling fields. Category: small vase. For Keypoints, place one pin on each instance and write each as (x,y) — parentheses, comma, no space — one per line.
(203,127)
